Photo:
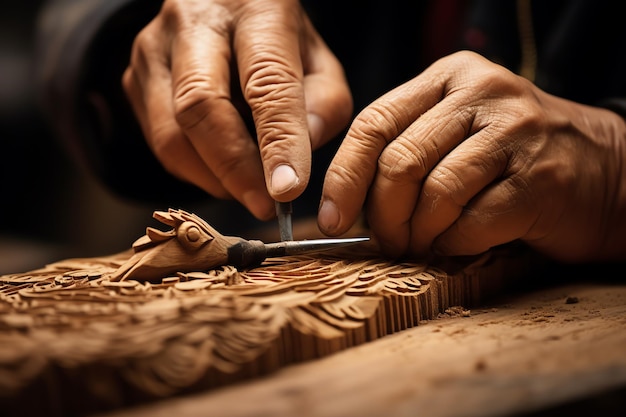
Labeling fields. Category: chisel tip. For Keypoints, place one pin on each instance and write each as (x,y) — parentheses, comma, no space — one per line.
(283,212)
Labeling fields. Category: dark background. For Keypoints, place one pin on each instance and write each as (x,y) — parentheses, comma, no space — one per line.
(52,209)
(49,209)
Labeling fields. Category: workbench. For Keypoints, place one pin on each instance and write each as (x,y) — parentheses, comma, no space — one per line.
(551,343)
(553,349)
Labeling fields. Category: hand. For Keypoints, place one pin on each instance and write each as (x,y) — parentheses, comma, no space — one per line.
(467,156)
(197,70)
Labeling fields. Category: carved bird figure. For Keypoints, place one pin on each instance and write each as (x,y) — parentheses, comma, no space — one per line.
(191,245)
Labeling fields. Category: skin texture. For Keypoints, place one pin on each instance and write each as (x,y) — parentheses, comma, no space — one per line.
(463,157)
(202,67)
(468,155)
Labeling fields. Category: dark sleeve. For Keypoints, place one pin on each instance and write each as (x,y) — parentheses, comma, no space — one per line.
(83,47)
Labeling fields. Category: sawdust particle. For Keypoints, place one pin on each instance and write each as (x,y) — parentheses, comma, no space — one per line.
(571,300)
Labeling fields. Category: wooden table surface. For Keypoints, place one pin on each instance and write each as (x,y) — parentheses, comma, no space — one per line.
(543,350)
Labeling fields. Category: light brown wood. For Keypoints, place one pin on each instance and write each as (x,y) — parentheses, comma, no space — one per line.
(112,341)
(190,245)
(559,349)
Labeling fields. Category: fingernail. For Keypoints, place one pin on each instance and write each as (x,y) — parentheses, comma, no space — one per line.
(328,216)
(316,128)
(284,178)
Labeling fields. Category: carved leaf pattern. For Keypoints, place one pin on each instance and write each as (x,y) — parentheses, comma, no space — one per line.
(165,336)
(199,329)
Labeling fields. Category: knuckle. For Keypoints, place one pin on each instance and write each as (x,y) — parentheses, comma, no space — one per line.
(405,161)
(170,7)
(194,101)
(228,167)
(447,184)
(271,81)
(385,118)
(145,49)
(146,40)
(270,92)
(372,130)
(172,11)
(138,52)
(176,14)
(128,80)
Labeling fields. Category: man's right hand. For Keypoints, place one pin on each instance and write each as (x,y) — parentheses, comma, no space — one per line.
(195,59)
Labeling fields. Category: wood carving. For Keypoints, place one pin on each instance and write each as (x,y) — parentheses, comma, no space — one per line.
(117,341)
(191,245)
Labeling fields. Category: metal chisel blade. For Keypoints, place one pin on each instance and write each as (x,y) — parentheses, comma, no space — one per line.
(309,246)
(283,212)
(248,253)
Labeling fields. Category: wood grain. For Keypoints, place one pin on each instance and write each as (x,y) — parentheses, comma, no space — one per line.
(81,340)
(532,354)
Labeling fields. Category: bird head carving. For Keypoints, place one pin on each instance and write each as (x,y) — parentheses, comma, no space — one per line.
(191,245)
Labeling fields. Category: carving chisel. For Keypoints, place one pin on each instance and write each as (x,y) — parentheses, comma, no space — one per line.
(249,253)
(283,212)
(194,245)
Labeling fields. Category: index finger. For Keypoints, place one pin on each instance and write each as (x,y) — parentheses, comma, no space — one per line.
(269,58)
(357,162)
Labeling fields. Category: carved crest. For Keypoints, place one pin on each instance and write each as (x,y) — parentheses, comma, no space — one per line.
(191,245)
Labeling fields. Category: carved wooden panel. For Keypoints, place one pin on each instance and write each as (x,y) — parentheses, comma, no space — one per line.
(92,342)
